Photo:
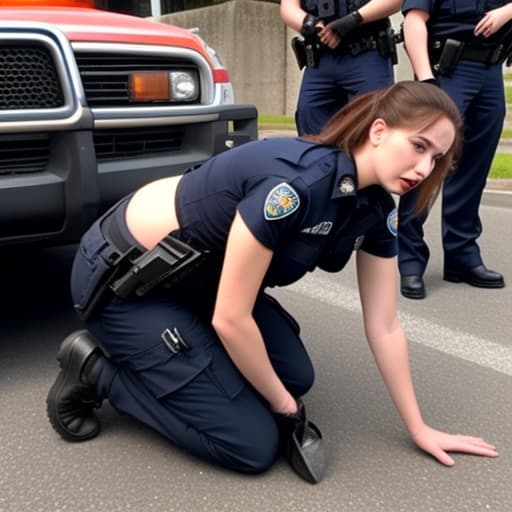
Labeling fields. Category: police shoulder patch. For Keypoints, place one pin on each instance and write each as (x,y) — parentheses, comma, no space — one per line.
(392,222)
(281,201)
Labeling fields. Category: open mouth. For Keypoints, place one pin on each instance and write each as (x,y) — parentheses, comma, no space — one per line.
(408,184)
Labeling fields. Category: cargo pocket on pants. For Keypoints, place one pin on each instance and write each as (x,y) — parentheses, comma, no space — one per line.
(223,373)
(164,372)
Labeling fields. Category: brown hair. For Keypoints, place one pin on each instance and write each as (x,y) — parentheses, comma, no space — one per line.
(406,104)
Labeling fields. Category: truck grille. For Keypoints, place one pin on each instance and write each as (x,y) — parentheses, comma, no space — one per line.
(133,142)
(105,76)
(27,153)
(28,78)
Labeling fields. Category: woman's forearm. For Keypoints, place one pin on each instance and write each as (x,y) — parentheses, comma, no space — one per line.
(245,347)
(392,357)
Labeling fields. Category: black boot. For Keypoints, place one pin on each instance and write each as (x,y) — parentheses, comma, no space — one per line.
(72,399)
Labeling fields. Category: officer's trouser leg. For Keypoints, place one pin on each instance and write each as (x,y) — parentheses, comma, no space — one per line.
(197,399)
(413,252)
(479,94)
(336,79)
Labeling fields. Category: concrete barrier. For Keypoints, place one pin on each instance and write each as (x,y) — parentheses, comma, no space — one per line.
(254,44)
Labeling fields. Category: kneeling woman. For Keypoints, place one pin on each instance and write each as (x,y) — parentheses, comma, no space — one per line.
(207,358)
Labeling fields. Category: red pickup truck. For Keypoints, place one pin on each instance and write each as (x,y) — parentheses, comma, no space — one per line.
(93,104)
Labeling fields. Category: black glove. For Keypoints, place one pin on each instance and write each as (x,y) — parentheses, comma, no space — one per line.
(309,30)
(303,445)
(433,81)
(342,26)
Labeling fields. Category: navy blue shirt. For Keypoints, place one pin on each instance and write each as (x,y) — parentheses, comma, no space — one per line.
(297,198)
(456,19)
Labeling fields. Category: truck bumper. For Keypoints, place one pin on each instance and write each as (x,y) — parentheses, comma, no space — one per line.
(54,184)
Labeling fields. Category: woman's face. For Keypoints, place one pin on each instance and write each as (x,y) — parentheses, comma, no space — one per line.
(404,157)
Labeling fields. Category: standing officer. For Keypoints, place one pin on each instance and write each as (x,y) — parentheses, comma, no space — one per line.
(197,350)
(349,49)
(460,46)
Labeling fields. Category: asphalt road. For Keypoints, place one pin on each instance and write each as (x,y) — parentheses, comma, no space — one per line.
(461,353)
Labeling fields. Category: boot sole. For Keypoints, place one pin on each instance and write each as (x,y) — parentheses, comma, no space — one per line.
(68,372)
(453,277)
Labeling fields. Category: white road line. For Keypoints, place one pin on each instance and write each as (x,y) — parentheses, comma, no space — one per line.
(465,346)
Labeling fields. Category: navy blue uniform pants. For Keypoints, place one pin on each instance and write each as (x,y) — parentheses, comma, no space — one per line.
(337,79)
(478,92)
(197,398)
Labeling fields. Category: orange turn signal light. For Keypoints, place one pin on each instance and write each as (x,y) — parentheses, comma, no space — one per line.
(149,86)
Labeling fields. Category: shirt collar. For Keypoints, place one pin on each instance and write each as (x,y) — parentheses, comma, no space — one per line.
(345,183)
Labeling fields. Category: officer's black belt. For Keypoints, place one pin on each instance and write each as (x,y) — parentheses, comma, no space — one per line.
(167,263)
(446,53)
(119,245)
(134,271)
(487,55)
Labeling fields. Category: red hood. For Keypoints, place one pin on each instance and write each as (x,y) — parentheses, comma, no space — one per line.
(91,25)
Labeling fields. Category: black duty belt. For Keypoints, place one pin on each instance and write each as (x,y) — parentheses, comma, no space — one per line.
(131,270)
(119,245)
(487,55)
(445,54)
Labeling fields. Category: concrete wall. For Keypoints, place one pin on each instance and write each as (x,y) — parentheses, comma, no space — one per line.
(254,44)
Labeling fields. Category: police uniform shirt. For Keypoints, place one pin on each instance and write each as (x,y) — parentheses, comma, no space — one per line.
(297,198)
(456,19)
(329,10)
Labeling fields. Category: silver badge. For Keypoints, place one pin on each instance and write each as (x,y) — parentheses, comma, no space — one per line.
(346,185)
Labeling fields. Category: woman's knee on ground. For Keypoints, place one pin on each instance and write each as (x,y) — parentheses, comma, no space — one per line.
(250,447)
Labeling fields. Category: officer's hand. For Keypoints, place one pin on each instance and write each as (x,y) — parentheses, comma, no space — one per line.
(438,444)
(493,21)
(328,37)
(344,25)
(287,407)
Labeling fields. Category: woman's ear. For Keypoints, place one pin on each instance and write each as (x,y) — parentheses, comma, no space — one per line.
(377,129)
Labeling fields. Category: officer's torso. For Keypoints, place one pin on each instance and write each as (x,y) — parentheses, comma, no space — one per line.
(456,19)
(297,198)
(329,10)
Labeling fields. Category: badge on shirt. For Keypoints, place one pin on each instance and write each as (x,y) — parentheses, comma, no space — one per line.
(281,201)
(392,222)
(346,185)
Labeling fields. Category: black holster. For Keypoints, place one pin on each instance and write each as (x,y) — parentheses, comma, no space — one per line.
(386,44)
(307,51)
(125,271)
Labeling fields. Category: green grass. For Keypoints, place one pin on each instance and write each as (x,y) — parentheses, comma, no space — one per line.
(501,167)
(276,122)
(508,95)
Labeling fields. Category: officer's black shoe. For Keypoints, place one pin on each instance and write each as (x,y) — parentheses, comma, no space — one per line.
(72,399)
(412,286)
(480,276)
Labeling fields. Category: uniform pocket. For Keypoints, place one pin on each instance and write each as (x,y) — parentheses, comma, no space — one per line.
(165,372)
(223,373)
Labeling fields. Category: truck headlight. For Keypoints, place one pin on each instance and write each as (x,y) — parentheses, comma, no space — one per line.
(184,86)
(163,86)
